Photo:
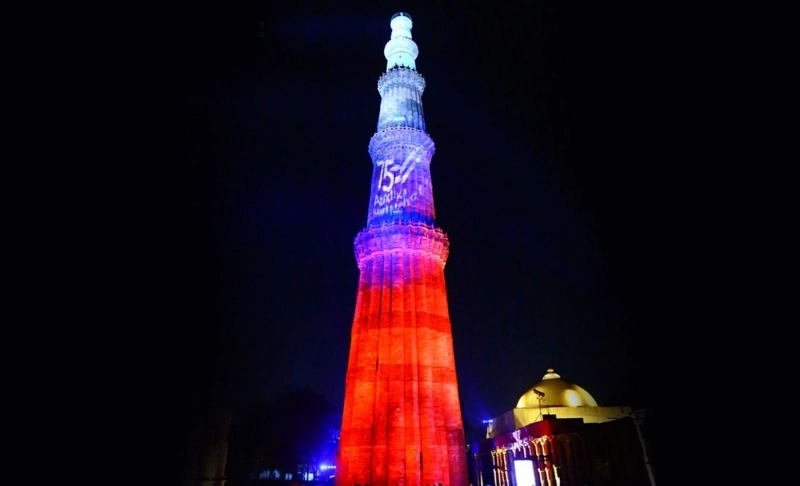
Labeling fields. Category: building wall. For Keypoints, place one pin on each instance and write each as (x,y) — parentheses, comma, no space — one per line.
(520,417)
(564,452)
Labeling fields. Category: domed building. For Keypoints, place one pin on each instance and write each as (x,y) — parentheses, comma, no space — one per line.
(556,398)
(558,435)
(557,393)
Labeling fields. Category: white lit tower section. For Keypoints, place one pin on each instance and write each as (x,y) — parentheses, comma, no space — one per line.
(401,150)
(401,50)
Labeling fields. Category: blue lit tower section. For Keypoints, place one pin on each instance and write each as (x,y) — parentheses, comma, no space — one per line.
(401,423)
(401,150)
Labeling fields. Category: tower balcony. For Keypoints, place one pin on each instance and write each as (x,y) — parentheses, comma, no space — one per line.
(401,76)
(389,140)
(401,237)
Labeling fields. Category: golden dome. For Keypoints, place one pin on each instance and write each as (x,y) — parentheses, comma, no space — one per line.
(556,393)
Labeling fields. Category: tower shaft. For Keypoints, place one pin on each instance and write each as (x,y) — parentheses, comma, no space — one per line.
(402,416)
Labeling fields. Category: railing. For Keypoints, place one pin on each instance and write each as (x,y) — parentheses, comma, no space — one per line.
(277,482)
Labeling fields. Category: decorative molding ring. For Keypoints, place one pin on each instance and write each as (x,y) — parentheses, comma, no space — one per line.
(400,237)
(401,75)
(393,137)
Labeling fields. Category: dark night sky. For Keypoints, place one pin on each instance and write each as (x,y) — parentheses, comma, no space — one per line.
(546,178)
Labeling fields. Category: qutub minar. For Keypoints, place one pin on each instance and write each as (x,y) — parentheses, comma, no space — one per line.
(401,420)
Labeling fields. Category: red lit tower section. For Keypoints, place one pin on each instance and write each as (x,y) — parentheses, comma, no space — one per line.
(402,417)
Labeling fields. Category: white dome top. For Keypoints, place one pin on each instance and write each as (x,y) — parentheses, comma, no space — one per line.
(401,50)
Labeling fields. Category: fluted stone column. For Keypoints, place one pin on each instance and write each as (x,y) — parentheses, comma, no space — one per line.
(401,421)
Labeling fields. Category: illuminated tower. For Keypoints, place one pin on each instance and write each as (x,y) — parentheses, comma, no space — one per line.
(402,417)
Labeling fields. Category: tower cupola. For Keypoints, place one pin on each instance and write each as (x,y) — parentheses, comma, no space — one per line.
(401,50)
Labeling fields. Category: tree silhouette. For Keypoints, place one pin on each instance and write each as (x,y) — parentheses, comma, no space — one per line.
(299,426)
